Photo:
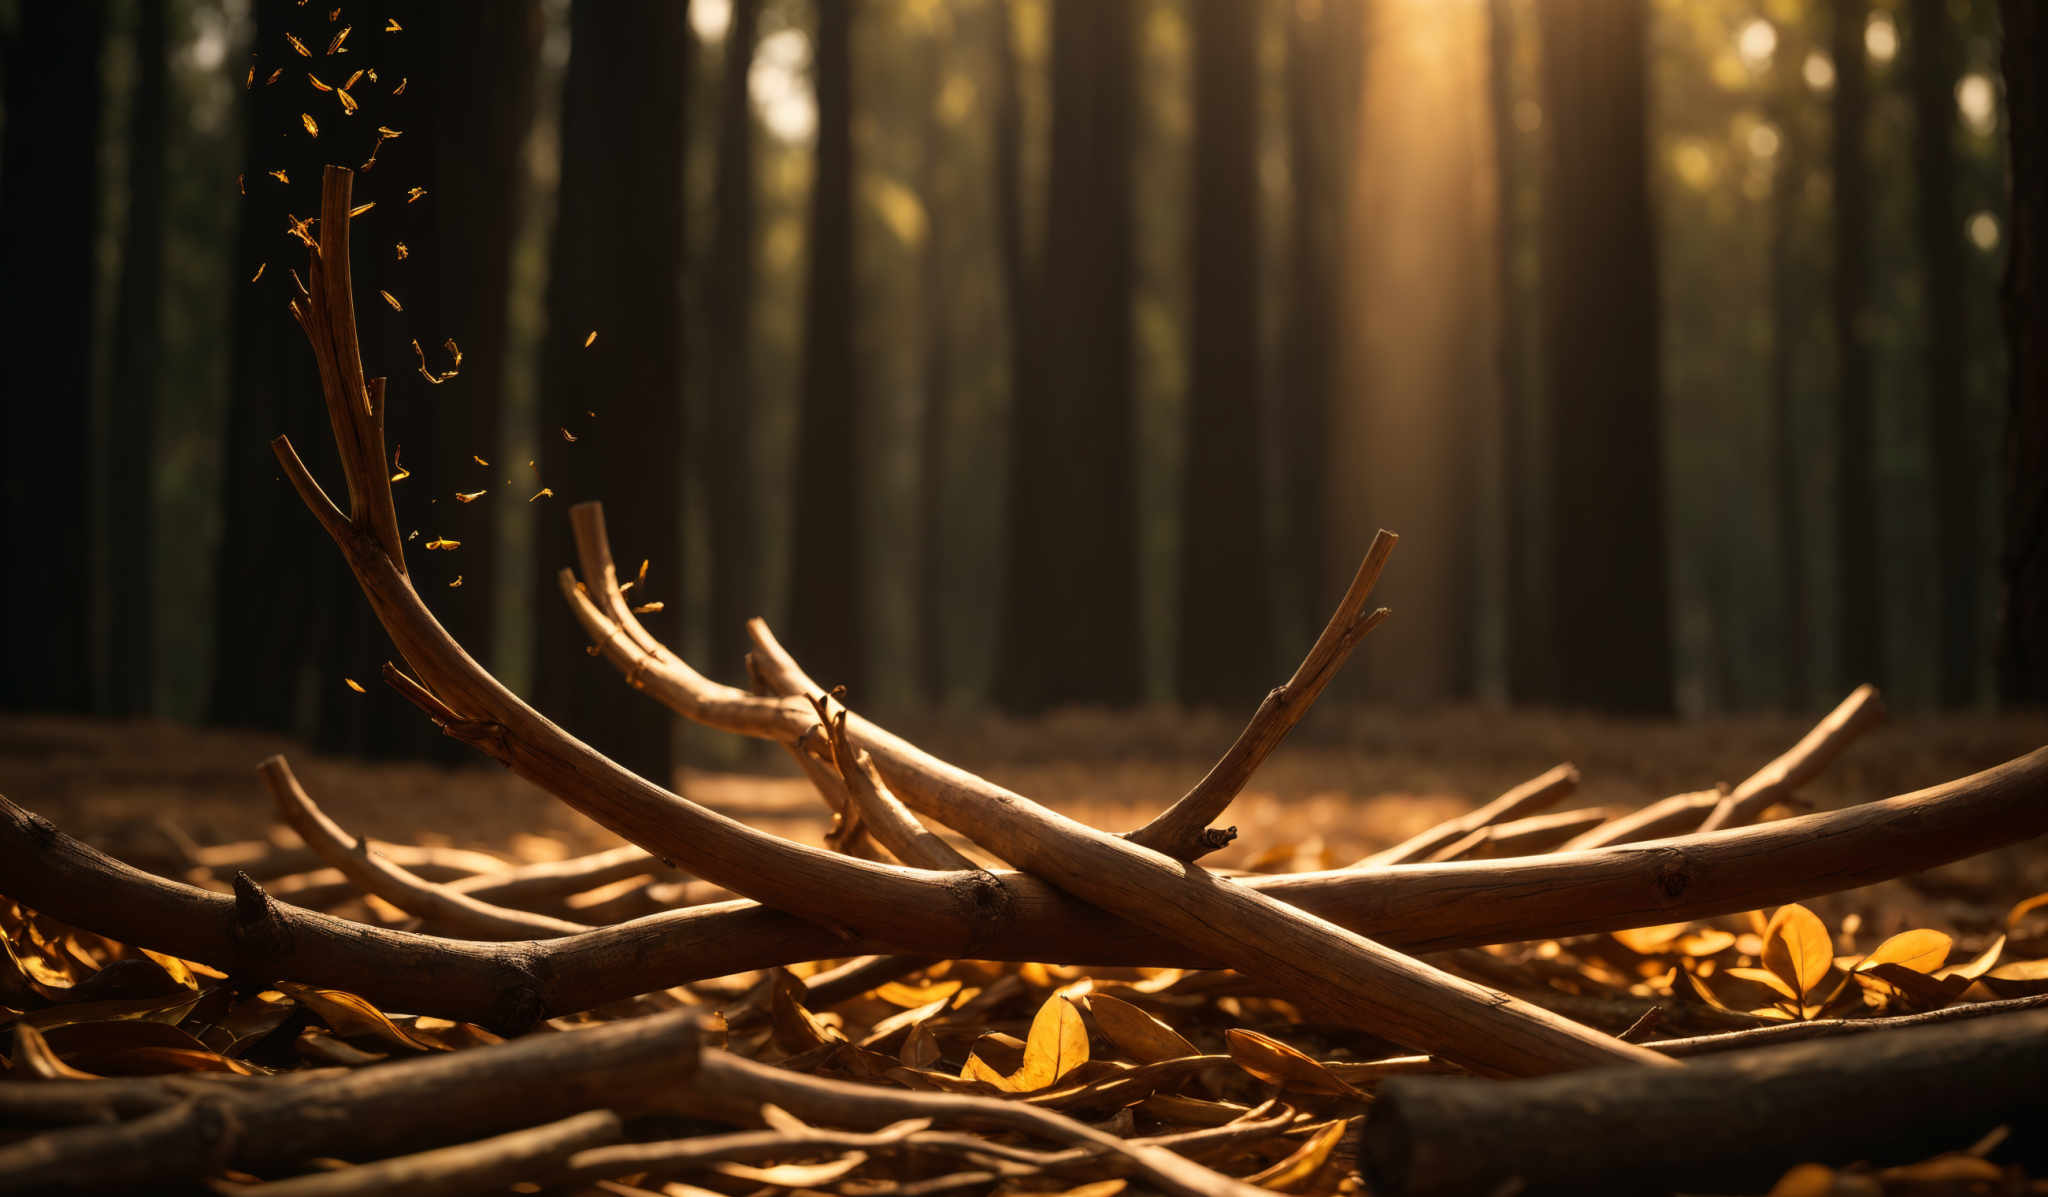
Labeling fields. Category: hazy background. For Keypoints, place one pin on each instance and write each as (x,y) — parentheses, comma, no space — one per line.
(1021,354)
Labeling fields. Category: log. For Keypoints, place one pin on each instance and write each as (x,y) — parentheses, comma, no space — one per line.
(1729,1123)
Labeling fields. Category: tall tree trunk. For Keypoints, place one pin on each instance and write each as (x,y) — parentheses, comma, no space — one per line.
(1860,601)
(2023,653)
(936,381)
(137,390)
(1610,598)
(1932,61)
(1070,632)
(1530,672)
(1226,649)
(278,587)
(1788,327)
(726,457)
(616,272)
(49,192)
(828,601)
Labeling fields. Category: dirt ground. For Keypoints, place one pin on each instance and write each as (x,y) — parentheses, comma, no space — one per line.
(1351,779)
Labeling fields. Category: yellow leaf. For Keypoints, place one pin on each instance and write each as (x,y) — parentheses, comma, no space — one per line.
(442,543)
(1276,1063)
(1301,1167)
(334,47)
(350,1016)
(906,995)
(355,685)
(1765,978)
(1649,941)
(1797,947)
(298,45)
(470,496)
(392,300)
(1137,1034)
(1057,1044)
(315,81)
(1979,966)
(312,126)
(1923,951)
(794,1176)
(589,340)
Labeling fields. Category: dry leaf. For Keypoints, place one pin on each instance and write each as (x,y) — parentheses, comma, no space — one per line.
(1057,1044)
(1290,1174)
(1922,951)
(1137,1034)
(1797,948)
(1278,1064)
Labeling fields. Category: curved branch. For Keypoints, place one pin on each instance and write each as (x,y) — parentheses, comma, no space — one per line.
(1531,797)
(402,888)
(1182,830)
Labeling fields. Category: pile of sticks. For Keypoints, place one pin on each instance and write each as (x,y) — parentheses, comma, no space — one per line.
(890,894)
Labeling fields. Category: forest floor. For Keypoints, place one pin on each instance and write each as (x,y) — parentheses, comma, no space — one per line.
(1350,780)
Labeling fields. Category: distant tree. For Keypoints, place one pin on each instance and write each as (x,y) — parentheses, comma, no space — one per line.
(1860,604)
(1789,322)
(725,454)
(1530,674)
(1325,53)
(49,191)
(2023,653)
(616,270)
(828,603)
(1933,68)
(935,373)
(1070,629)
(281,593)
(137,386)
(1610,600)
(1226,631)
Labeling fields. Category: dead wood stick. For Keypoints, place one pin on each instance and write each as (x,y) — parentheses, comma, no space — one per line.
(1731,1123)
(1182,831)
(1533,796)
(403,889)
(887,819)
(1677,814)
(1414,907)
(857,976)
(1520,837)
(632,1064)
(1326,966)
(1802,762)
(536,1153)
(744,1085)
(267,859)
(530,885)
(1712,810)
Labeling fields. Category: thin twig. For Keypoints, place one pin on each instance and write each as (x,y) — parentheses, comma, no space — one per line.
(1537,794)
(1182,830)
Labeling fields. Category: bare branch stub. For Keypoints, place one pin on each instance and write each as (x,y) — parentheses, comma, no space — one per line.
(1182,831)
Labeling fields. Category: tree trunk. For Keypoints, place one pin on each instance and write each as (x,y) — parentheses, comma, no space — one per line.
(1226,653)
(616,264)
(2023,655)
(828,600)
(936,381)
(1529,668)
(1789,324)
(1325,53)
(1070,633)
(726,457)
(277,589)
(137,390)
(1610,593)
(1859,589)
(49,194)
(1932,62)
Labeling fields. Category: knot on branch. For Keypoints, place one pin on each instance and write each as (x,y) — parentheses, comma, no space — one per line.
(988,901)
(518,1006)
(258,931)
(1674,872)
(1214,839)
(216,1128)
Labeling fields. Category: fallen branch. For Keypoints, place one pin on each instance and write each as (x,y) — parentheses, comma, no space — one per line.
(536,1153)
(1531,797)
(409,892)
(1182,831)
(1521,837)
(262,1123)
(1732,1123)
(1415,907)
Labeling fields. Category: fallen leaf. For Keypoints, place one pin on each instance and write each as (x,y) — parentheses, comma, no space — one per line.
(1797,947)
(1278,1064)
(1137,1034)
(1056,1045)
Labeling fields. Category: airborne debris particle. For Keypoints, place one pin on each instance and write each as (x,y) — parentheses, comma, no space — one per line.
(545,492)
(457,582)
(392,300)
(334,47)
(400,89)
(441,542)
(568,436)
(414,195)
(279,175)
(648,608)
(355,685)
(391,25)
(348,103)
(401,251)
(274,76)
(260,268)
(470,496)
(315,81)
(592,337)
(402,473)
(359,209)
(298,45)
(480,461)
(306,119)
